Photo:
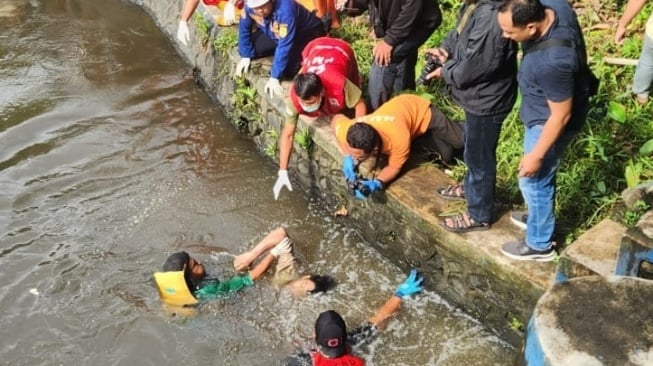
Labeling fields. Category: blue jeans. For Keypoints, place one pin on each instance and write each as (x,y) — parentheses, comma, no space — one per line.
(399,75)
(481,137)
(644,71)
(539,191)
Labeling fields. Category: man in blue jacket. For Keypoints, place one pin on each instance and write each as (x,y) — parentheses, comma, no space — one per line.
(479,67)
(282,29)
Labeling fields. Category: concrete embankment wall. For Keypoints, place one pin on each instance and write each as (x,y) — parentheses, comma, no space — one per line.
(402,224)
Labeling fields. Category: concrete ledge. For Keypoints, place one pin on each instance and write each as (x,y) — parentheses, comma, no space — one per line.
(592,321)
(594,253)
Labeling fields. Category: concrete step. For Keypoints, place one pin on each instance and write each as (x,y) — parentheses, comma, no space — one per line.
(593,253)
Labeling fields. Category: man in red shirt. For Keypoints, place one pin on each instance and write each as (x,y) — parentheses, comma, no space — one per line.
(328,83)
(332,341)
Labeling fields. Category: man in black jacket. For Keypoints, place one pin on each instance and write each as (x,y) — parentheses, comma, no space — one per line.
(401,27)
(479,68)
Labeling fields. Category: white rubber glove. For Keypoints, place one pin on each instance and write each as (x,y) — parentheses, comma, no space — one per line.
(272,87)
(243,66)
(284,247)
(282,181)
(183,34)
(229,13)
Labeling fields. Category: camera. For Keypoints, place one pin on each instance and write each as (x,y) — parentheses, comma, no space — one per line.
(357,185)
(430,63)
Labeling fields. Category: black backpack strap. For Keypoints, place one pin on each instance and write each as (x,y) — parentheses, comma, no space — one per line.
(554,42)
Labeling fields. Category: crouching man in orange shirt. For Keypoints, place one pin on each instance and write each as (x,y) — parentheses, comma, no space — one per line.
(390,131)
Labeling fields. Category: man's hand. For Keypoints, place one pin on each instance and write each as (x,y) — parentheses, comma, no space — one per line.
(229,13)
(440,53)
(284,247)
(349,168)
(382,53)
(243,66)
(373,185)
(359,195)
(411,286)
(183,34)
(435,74)
(529,165)
(282,181)
(272,87)
(620,35)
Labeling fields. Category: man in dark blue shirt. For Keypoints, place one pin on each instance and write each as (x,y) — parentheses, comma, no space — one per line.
(553,80)
(284,27)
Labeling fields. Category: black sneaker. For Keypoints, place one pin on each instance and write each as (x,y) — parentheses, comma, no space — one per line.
(517,249)
(519,218)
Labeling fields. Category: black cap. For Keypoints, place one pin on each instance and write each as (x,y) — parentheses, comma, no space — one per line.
(331,334)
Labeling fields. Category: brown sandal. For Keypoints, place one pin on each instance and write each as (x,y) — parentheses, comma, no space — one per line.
(451,192)
(463,223)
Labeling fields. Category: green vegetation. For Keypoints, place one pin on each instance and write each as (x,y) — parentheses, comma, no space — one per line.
(244,103)
(613,151)
(516,324)
(632,216)
(272,137)
(225,40)
(304,138)
(203,28)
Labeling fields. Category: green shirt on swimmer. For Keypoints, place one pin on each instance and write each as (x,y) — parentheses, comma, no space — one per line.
(183,281)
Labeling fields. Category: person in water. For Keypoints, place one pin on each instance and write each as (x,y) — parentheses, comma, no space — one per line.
(332,346)
(287,275)
(183,281)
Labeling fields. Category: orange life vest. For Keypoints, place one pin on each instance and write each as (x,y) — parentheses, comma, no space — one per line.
(344,360)
(333,61)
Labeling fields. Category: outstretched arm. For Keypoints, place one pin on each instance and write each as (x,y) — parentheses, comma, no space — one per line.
(412,285)
(632,8)
(243,261)
(285,142)
(189,9)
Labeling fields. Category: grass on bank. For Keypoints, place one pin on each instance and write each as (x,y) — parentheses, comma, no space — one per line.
(612,152)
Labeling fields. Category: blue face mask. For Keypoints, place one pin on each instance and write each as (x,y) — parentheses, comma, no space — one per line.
(311,108)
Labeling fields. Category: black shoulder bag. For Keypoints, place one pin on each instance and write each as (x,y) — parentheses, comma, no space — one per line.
(593,81)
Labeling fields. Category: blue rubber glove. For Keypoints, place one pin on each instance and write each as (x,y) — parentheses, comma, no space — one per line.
(411,286)
(349,168)
(373,184)
(359,195)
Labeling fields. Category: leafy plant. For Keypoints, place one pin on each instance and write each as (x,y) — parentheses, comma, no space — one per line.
(633,172)
(631,217)
(304,138)
(225,41)
(516,324)
(244,104)
(617,111)
(272,137)
(203,28)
